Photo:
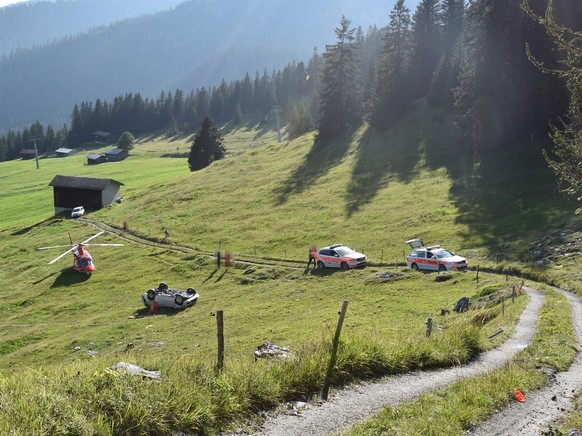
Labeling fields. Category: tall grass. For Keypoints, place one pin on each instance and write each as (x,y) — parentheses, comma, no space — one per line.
(467,402)
(191,397)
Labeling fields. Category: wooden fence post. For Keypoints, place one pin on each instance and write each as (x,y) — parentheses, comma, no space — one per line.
(220,334)
(428,327)
(333,357)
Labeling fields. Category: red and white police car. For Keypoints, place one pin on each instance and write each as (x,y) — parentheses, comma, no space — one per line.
(433,258)
(339,256)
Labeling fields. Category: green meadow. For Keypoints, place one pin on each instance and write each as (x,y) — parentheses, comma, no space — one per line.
(267,202)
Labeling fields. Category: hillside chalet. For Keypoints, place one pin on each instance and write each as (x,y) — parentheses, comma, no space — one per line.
(102,137)
(95,159)
(27,153)
(64,152)
(89,192)
(115,154)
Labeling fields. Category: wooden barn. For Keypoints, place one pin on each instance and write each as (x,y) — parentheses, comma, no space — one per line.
(115,154)
(89,192)
(102,137)
(95,159)
(27,153)
(64,152)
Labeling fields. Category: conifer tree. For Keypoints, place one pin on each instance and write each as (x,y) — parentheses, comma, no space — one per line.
(426,36)
(391,96)
(207,146)
(339,99)
(446,75)
(126,141)
(567,155)
(502,98)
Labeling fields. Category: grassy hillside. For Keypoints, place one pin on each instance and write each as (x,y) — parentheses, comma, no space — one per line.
(267,202)
(275,199)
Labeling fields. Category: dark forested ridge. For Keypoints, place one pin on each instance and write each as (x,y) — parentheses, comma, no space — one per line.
(467,60)
(28,24)
(197,43)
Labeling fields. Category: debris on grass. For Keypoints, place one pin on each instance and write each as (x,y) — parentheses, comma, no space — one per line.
(128,368)
(267,350)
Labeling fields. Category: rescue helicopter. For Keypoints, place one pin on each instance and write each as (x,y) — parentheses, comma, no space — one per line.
(83,262)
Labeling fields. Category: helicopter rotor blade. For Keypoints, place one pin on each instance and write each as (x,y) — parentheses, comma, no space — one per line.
(62,255)
(102,245)
(92,237)
(54,246)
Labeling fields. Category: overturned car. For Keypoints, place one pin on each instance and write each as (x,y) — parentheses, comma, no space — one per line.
(166,297)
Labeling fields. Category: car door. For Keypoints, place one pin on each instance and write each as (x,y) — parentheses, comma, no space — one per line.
(325,257)
(335,259)
(421,259)
(432,262)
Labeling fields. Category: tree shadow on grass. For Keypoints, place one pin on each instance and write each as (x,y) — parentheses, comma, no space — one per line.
(46,222)
(509,198)
(320,159)
(380,156)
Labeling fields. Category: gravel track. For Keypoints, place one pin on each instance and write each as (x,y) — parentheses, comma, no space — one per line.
(546,405)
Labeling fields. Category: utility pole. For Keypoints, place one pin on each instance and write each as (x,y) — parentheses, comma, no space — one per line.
(36,154)
(277,109)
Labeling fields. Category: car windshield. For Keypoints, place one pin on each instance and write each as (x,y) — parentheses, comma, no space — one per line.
(342,251)
(443,253)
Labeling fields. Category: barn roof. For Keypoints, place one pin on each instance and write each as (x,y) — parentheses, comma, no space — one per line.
(114,151)
(81,182)
(64,150)
(102,133)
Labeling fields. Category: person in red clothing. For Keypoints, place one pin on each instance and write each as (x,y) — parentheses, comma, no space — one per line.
(312,253)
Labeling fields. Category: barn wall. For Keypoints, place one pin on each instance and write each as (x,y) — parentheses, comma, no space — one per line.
(68,198)
(109,194)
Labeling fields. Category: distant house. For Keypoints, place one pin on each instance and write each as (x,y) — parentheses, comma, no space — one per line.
(89,192)
(27,153)
(95,159)
(104,137)
(64,152)
(115,154)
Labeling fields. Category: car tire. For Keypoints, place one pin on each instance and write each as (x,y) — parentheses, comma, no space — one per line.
(414,267)
(320,265)
(163,286)
(151,295)
(344,266)
(191,291)
(442,268)
(179,300)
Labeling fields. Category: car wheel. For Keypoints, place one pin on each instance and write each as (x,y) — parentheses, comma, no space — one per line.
(151,295)
(344,266)
(442,268)
(320,264)
(414,267)
(191,290)
(163,286)
(179,300)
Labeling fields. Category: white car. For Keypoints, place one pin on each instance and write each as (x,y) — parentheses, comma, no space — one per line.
(433,258)
(77,212)
(163,296)
(339,256)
